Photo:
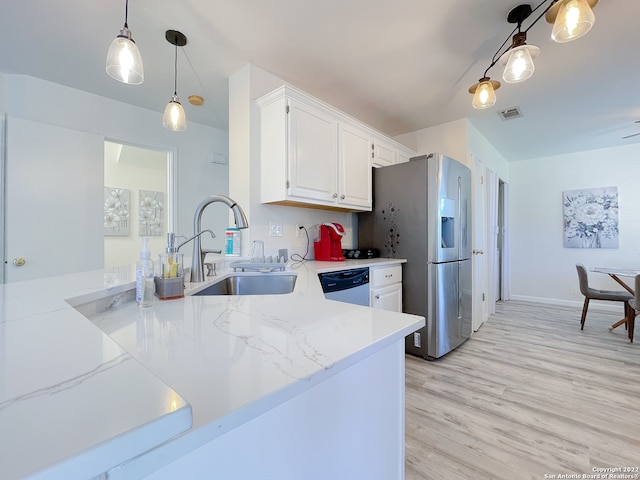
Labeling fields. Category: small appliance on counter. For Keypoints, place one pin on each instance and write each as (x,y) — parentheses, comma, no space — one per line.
(360,253)
(327,245)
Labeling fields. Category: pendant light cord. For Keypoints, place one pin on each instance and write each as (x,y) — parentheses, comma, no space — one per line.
(499,52)
(175,72)
(126,13)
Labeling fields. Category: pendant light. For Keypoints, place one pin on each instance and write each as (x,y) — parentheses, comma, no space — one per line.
(519,56)
(174,117)
(571,19)
(124,62)
(484,93)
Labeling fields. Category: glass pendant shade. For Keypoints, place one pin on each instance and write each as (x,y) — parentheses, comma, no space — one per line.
(519,65)
(124,62)
(575,19)
(484,96)
(174,118)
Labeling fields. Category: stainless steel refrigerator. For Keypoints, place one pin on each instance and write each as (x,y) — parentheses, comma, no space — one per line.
(422,212)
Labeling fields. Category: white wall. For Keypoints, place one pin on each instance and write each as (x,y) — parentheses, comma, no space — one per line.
(448,138)
(196,175)
(541,268)
(245,86)
(481,148)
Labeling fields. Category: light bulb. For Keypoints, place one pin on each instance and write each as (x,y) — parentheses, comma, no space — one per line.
(174,118)
(520,65)
(575,18)
(124,62)
(484,96)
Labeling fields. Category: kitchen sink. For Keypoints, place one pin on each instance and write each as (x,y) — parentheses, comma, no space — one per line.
(241,283)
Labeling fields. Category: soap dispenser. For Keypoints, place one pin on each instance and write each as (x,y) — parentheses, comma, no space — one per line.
(170,276)
(145,286)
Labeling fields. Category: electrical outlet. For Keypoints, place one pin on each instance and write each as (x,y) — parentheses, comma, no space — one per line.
(299,230)
(275,229)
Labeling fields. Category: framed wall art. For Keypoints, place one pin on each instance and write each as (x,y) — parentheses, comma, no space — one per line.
(151,213)
(591,218)
(116,211)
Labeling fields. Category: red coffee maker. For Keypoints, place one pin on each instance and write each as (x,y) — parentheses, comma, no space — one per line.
(327,245)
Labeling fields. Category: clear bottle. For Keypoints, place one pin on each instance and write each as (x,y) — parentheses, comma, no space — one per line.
(233,240)
(145,286)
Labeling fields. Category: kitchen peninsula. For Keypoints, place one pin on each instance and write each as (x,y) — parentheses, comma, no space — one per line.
(273,386)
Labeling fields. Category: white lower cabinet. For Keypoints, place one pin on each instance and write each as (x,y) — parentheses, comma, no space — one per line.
(386,287)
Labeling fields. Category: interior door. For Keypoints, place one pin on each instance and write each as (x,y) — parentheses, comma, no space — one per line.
(54,200)
(480,310)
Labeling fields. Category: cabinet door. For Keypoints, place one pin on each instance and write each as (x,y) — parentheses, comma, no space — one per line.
(354,167)
(313,156)
(387,298)
(384,153)
(404,154)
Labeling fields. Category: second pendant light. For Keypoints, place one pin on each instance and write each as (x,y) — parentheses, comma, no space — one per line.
(174,118)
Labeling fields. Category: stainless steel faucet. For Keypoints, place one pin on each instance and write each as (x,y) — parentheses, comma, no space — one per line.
(197,262)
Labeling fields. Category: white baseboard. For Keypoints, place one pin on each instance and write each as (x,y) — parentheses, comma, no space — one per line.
(593,305)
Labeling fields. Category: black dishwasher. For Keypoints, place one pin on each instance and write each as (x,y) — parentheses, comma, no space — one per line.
(350,286)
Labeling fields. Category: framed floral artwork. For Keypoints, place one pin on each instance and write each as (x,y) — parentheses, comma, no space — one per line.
(151,213)
(591,218)
(116,211)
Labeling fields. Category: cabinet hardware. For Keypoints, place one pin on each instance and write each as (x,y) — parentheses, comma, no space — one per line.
(286,184)
(286,109)
(378,297)
(335,195)
(342,197)
(19,262)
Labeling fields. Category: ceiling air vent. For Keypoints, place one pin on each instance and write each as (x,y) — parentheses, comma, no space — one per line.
(510,113)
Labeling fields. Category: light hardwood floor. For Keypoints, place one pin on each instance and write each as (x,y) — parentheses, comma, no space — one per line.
(529,394)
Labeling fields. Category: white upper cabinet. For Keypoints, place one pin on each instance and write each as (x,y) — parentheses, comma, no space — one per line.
(313,155)
(389,152)
(384,153)
(312,148)
(354,175)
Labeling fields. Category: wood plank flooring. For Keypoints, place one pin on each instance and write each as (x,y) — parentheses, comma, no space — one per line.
(529,394)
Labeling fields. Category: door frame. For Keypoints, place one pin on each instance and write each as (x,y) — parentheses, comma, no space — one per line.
(172,177)
(480,310)
(3,198)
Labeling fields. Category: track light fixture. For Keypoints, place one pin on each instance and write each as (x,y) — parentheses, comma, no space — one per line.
(571,19)
(124,62)
(174,117)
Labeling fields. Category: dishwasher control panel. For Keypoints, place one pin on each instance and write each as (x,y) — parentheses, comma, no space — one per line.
(349,286)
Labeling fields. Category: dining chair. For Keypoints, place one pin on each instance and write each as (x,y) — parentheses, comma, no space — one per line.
(634,307)
(596,294)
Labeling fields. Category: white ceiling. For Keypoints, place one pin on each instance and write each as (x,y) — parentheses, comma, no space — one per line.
(398,65)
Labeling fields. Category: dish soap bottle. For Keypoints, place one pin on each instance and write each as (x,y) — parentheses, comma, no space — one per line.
(145,287)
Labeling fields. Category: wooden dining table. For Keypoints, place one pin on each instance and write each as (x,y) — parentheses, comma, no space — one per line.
(615,273)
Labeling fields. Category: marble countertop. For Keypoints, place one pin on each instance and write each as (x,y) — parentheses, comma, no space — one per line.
(215,360)
(67,388)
